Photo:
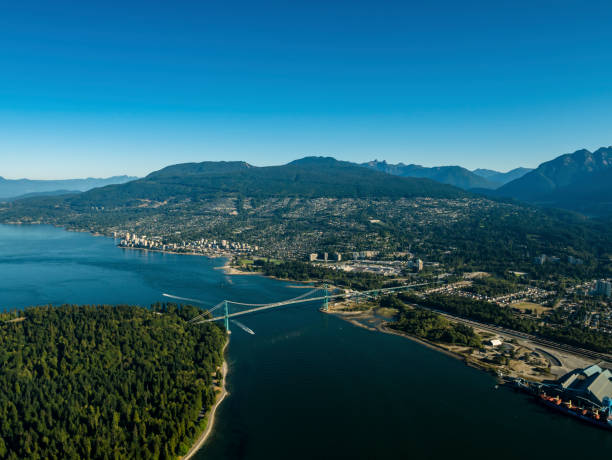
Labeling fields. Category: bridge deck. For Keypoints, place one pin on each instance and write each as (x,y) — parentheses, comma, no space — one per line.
(313,299)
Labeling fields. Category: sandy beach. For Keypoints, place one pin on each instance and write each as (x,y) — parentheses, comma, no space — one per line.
(211,415)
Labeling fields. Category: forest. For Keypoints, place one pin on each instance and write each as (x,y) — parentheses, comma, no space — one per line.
(490,313)
(105,382)
(492,287)
(429,325)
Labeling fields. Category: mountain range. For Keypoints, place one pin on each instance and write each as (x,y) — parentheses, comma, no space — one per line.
(451,175)
(308,177)
(580,181)
(15,188)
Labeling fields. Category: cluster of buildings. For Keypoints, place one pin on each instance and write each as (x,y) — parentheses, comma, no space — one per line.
(325,257)
(364,255)
(543,258)
(381,267)
(202,246)
(528,294)
(361,262)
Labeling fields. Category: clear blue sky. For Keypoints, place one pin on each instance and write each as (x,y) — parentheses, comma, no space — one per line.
(94,88)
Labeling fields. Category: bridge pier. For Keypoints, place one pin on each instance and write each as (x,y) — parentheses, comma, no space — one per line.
(226,316)
(326,299)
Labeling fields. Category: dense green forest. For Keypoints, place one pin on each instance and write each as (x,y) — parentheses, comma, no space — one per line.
(492,287)
(308,177)
(429,325)
(491,313)
(105,382)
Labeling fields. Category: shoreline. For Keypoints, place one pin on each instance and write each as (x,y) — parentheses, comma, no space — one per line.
(161,251)
(382,327)
(346,316)
(227,268)
(230,270)
(201,440)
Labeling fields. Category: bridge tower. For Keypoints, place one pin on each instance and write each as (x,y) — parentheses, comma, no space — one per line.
(226,316)
(326,299)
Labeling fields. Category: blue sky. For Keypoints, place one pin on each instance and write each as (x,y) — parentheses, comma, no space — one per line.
(104,88)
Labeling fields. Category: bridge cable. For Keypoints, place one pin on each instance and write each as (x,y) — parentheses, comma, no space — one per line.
(272,303)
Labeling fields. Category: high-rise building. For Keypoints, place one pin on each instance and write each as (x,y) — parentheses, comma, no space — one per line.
(419,265)
(603,287)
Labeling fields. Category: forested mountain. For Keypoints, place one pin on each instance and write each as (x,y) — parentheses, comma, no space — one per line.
(499,178)
(105,382)
(13,188)
(307,178)
(187,183)
(581,181)
(452,175)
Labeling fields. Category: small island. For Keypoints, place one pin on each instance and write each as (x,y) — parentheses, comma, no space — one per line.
(107,381)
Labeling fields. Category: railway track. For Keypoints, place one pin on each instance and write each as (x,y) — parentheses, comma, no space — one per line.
(523,335)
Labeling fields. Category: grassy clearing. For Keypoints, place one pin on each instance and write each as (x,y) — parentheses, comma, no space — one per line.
(534,307)
(387,312)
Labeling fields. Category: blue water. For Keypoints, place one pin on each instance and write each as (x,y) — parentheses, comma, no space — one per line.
(306,385)
(42,265)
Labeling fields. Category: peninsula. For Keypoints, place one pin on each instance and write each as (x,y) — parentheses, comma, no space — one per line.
(91,381)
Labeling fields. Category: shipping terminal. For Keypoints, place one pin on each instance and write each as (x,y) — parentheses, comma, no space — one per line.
(585,394)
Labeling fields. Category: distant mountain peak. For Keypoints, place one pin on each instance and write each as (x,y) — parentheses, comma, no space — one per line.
(11,188)
(202,168)
(451,175)
(581,180)
(501,178)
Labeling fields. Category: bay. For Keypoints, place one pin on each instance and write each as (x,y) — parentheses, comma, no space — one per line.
(307,384)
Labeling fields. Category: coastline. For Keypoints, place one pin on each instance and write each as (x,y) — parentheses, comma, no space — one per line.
(228,269)
(346,316)
(161,251)
(500,371)
(199,442)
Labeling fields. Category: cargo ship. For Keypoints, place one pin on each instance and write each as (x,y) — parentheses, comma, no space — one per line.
(598,416)
(601,417)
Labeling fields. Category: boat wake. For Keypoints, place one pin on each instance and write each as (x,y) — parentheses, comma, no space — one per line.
(243,327)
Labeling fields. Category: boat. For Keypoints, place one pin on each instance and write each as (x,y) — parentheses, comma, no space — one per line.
(601,417)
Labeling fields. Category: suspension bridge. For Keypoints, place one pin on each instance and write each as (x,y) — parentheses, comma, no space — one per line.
(320,294)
